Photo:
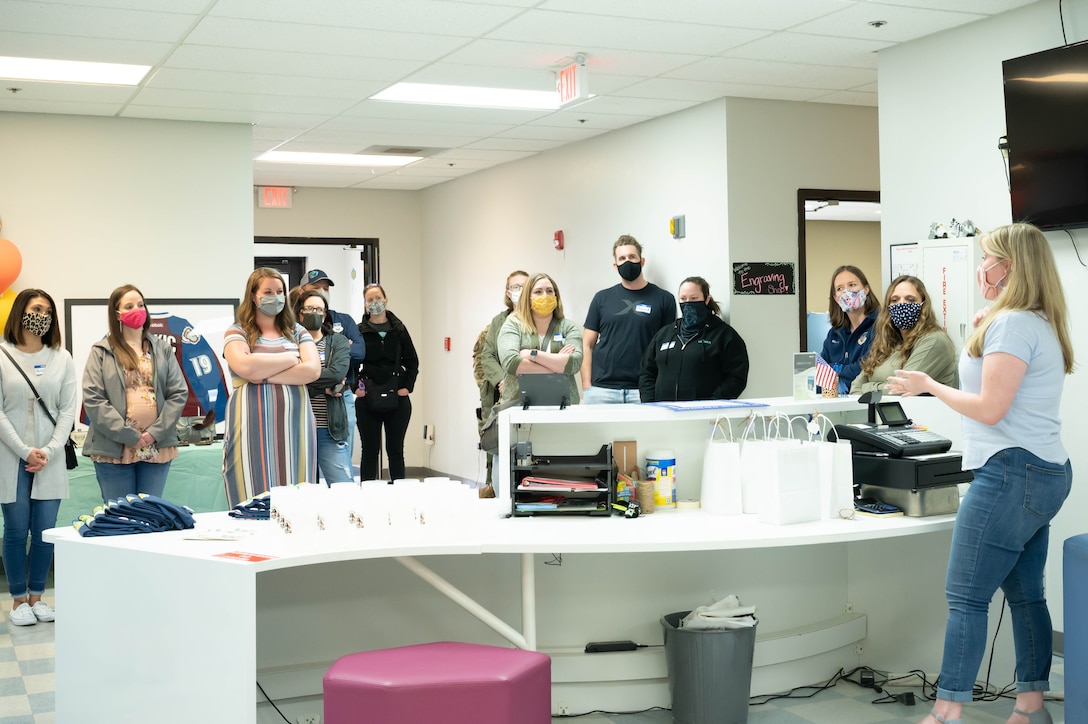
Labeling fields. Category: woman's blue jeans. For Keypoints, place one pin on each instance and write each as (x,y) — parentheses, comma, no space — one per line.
(1000,541)
(27,515)
(333,458)
(116,480)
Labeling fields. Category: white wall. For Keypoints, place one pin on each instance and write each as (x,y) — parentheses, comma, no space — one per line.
(93,203)
(776,148)
(479,228)
(392,217)
(941,113)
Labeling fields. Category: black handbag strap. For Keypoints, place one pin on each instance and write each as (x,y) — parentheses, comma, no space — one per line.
(32,387)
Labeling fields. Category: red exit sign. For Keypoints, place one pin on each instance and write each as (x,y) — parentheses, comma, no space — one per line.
(572,84)
(273,197)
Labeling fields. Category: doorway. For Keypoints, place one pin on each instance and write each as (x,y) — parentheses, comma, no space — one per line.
(834,227)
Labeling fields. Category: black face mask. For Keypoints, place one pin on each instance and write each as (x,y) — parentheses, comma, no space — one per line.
(694,316)
(312,321)
(630,270)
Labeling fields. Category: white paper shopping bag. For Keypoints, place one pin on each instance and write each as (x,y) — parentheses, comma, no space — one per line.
(721,492)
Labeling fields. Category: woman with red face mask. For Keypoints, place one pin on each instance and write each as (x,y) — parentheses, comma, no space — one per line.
(133,394)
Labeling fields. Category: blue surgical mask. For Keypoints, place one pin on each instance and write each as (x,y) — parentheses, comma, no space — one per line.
(272,305)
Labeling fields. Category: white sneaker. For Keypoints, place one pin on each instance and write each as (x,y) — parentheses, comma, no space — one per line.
(43,611)
(23,616)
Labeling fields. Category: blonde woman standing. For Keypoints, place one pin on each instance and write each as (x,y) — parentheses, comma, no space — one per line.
(538,339)
(1011,373)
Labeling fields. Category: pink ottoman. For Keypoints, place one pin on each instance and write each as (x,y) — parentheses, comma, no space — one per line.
(447,683)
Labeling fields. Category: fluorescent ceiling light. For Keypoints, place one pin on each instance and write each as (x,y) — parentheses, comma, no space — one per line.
(463,95)
(336,159)
(71,71)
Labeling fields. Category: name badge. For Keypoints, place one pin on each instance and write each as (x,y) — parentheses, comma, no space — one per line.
(557,338)
(337,327)
(667,345)
(288,345)
(642,308)
(39,370)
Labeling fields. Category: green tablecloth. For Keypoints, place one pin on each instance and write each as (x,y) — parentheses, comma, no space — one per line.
(195,480)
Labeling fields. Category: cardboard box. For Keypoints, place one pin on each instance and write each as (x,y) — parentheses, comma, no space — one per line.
(625,455)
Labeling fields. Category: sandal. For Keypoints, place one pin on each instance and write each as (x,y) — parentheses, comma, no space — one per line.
(1039,716)
(933,713)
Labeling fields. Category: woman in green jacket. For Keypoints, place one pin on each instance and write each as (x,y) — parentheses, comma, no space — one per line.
(907,337)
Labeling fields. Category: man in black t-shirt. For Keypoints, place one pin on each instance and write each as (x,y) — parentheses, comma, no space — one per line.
(620,323)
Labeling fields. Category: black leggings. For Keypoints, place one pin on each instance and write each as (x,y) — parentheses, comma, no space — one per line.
(370,432)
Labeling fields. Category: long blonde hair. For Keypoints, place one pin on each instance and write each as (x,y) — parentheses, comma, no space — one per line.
(889,339)
(523,312)
(1032,284)
(247,309)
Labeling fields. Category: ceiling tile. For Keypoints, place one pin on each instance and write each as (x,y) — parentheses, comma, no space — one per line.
(101,50)
(769,72)
(514,144)
(440,114)
(472,155)
(903,24)
(514,54)
(578,116)
(405,16)
(254,84)
(552,133)
(263,35)
(540,26)
(765,14)
(318,65)
(982,7)
(817,49)
(219,100)
(850,98)
(85,22)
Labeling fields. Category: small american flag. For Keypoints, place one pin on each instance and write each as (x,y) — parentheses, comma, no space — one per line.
(826,376)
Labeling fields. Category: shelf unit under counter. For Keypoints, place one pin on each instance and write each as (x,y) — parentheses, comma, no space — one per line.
(562,484)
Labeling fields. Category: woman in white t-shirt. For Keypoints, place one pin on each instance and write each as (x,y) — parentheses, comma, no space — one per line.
(1011,376)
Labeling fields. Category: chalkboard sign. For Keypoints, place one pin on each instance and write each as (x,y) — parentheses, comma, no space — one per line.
(764,277)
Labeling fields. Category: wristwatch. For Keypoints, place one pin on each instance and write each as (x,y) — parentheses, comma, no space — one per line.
(532,355)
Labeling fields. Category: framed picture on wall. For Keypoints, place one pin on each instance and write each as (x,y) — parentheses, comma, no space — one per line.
(195,327)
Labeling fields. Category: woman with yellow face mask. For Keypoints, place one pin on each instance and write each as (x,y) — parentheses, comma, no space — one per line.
(538,339)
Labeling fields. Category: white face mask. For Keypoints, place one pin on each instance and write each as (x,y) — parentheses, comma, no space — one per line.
(515,296)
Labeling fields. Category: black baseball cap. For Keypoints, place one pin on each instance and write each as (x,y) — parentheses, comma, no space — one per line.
(317,275)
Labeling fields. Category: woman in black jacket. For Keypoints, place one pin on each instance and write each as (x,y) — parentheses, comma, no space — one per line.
(697,357)
(384,381)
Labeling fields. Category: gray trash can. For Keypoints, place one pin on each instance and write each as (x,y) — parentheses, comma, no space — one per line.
(710,672)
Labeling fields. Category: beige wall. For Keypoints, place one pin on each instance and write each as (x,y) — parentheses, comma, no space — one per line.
(776,148)
(829,245)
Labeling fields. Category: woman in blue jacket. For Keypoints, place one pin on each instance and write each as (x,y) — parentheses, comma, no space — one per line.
(853,309)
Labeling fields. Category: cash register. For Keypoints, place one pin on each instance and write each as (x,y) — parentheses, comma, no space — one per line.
(898,462)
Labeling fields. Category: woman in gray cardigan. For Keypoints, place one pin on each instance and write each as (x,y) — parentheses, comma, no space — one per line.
(33,477)
(133,394)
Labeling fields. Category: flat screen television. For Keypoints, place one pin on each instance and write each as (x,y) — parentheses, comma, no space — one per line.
(1046,117)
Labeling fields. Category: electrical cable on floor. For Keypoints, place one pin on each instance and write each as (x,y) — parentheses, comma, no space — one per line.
(269,700)
(1074,242)
(610,713)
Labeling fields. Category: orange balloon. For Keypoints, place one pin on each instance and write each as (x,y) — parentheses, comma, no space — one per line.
(11,263)
(6,300)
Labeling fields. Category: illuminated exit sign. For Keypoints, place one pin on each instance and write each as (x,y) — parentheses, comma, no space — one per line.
(273,197)
(572,84)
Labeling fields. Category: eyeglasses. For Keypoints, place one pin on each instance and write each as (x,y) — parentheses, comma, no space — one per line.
(313,310)
(516,287)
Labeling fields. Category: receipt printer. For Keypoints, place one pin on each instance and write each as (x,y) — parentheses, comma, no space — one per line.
(900,463)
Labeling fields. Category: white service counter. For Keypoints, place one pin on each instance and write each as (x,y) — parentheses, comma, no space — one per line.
(161,628)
